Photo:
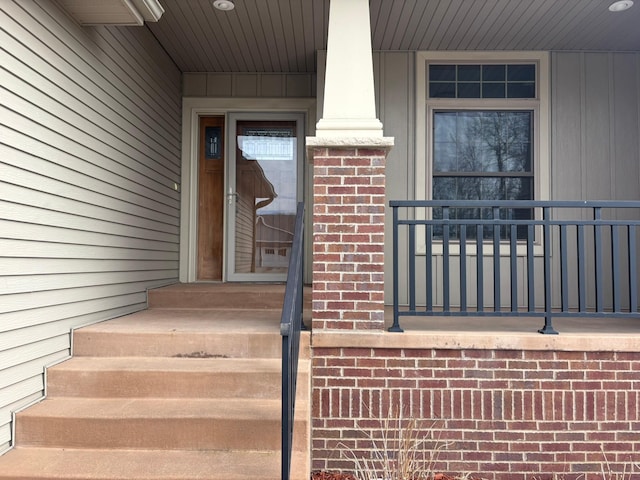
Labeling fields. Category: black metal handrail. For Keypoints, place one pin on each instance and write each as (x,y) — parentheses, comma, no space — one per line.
(540,239)
(290,326)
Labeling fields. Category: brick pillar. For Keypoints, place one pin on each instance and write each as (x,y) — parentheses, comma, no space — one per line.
(348,233)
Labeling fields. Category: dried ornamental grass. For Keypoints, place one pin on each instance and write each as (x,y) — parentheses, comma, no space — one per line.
(406,449)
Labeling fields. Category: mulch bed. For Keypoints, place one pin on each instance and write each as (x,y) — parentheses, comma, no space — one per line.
(347,476)
(331,476)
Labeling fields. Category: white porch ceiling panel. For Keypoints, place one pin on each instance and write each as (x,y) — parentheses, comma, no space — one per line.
(283,35)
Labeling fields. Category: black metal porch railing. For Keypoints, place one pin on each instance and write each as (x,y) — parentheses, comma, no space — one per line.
(515,258)
(290,326)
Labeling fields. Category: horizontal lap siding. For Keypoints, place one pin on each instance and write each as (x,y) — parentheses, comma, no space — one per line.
(89,162)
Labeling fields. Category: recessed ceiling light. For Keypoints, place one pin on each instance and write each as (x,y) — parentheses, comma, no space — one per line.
(224,5)
(621,5)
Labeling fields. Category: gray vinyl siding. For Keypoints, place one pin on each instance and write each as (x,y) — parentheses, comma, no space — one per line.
(596,126)
(595,136)
(89,164)
(394,72)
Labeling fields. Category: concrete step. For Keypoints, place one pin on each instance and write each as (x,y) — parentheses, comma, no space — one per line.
(218,296)
(184,333)
(87,464)
(166,377)
(189,389)
(148,424)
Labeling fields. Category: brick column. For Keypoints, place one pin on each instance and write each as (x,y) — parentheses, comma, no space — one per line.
(348,232)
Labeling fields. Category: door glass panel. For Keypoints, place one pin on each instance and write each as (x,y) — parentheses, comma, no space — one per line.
(265,194)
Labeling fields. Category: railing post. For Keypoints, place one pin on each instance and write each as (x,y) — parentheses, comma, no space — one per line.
(548,298)
(633,270)
(396,307)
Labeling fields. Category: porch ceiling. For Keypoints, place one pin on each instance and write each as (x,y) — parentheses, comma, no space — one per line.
(283,35)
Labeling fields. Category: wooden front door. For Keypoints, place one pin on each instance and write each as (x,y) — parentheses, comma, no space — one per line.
(211,198)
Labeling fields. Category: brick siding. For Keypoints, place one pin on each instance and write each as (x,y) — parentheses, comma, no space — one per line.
(348,238)
(504,414)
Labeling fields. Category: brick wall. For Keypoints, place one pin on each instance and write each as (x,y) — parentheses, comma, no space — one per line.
(504,414)
(348,238)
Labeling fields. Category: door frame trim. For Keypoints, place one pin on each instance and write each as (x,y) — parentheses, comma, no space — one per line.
(192,109)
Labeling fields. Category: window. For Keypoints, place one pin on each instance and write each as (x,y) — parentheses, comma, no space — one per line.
(482,81)
(485,125)
(482,155)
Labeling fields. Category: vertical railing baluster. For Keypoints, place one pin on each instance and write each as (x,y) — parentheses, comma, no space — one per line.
(633,271)
(582,273)
(463,268)
(446,301)
(479,269)
(531,269)
(616,284)
(429,267)
(412,267)
(564,269)
(496,261)
(597,234)
(513,247)
(548,299)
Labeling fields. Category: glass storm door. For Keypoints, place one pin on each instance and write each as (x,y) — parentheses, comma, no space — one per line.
(265,184)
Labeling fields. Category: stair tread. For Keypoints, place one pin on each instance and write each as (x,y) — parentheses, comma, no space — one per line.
(168,335)
(174,364)
(52,463)
(156,408)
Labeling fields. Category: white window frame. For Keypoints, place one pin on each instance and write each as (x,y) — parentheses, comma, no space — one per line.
(426,106)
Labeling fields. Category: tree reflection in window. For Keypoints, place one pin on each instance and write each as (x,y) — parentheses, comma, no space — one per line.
(483,155)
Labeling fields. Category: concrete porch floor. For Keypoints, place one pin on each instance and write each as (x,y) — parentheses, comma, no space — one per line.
(269,297)
(598,325)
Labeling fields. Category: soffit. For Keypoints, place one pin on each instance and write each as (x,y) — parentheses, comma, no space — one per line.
(283,35)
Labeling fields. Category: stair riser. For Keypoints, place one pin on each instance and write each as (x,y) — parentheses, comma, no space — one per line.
(40,463)
(233,345)
(227,300)
(223,296)
(121,384)
(166,433)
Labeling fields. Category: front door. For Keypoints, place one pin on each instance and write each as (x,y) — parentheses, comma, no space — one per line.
(265,183)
